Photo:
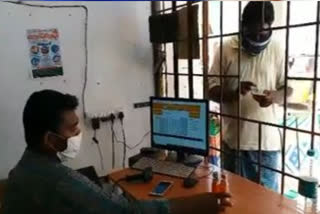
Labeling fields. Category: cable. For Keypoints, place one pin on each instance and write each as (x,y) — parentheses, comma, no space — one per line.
(113,142)
(124,142)
(124,157)
(205,167)
(101,157)
(96,141)
(205,176)
(124,145)
(135,146)
(84,88)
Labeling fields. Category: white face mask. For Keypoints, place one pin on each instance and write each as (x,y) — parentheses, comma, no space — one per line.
(73,148)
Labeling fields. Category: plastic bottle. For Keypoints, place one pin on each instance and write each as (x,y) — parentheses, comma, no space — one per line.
(308,187)
(223,184)
(219,183)
(215,182)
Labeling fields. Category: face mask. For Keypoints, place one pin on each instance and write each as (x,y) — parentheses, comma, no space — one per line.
(73,148)
(253,47)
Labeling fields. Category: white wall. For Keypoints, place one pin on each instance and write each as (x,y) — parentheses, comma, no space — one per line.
(120,71)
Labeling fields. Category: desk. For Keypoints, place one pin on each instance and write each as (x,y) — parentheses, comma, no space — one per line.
(247,197)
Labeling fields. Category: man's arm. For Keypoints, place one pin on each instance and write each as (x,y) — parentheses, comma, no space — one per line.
(273,97)
(229,95)
(75,192)
(278,96)
(207,203)
(226,96)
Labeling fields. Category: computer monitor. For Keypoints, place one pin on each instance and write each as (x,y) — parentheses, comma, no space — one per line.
(180,125)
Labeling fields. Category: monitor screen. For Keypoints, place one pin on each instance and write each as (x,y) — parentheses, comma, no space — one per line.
(180,124)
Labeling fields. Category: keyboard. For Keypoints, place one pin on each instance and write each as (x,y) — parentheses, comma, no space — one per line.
(164,167)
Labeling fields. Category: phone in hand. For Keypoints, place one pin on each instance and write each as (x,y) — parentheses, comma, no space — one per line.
(161,188)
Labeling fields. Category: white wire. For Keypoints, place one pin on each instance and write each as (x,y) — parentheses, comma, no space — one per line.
(95,140)
(101,156)
(136,145)
(124,145)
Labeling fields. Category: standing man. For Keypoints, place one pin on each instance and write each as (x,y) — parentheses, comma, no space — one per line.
(262,66)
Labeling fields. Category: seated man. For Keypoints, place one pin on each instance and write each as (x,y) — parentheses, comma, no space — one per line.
(41,184)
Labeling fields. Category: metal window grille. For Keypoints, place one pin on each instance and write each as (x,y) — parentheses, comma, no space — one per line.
(205,37)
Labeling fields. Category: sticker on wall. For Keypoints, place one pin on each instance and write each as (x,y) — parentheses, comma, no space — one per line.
(45,52)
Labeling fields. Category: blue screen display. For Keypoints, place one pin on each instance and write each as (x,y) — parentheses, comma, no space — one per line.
(180,123)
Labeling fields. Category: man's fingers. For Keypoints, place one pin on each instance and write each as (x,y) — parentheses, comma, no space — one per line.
(223,195)
(249,84)
(226,203)
(252,84)
(246,87)
(257,98)
(267,92)
(221,209)
(223,205)
(265,103)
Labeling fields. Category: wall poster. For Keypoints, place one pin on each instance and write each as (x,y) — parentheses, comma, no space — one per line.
(45,52)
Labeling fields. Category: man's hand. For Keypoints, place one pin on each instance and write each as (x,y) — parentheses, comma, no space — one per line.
(223,201)
(229,95)
(207,203)
(245,87)
(267,99)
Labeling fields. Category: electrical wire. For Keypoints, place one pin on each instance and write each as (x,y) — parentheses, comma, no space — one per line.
(205,176)
(205,167)
(84,88)
(113,144)
(124,142)
(135,146)
(124,145)
(101,157)
(96,141)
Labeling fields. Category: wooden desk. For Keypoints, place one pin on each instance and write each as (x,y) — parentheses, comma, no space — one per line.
(247,197)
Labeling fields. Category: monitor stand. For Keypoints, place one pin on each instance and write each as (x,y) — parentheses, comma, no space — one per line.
(189,160)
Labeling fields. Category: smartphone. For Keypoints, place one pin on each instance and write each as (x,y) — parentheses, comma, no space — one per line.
(161,188)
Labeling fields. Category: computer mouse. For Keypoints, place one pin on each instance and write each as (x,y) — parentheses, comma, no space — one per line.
(189,182)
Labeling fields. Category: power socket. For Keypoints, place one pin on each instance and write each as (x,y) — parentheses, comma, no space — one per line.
(105,117)
(101,117)
(95,123)
(109,117)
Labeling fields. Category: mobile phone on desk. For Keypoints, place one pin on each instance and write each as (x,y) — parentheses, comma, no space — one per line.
(161,188)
